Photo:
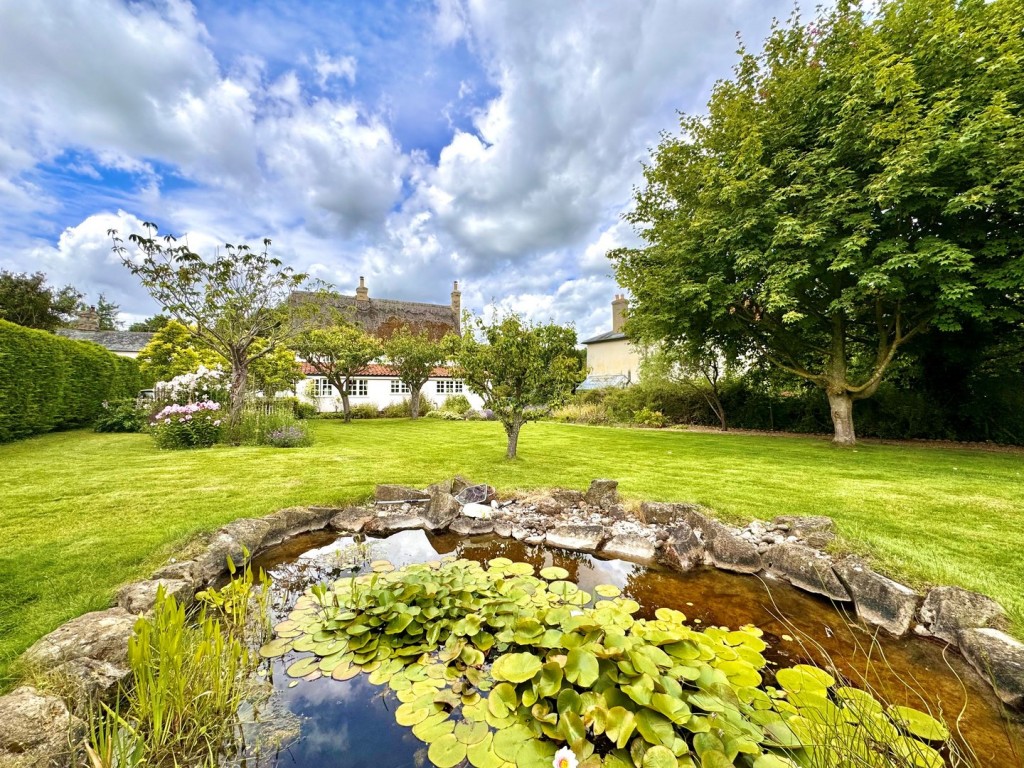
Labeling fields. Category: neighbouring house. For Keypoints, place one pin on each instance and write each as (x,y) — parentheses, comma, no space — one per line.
(87,328)
(378,384)
(612,359)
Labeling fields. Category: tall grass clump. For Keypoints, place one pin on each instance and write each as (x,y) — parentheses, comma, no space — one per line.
(582,413)
(190,676)
(267,422)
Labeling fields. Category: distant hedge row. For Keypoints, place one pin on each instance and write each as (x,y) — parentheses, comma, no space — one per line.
(48,382)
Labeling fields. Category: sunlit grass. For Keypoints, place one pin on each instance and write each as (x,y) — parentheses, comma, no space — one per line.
(81,513)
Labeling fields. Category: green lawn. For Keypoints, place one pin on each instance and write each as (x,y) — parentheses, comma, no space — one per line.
(81,513)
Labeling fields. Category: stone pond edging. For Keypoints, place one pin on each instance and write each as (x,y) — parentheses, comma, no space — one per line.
(89,654)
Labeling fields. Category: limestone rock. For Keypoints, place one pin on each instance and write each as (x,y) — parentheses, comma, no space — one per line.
(567,497)
(879,600)
(37,729)
(185,570)
(214,559)
(681,550)
(603,493)
(459,484)
(286,523)
(503,528)
(664,513)
(580,538)
(399,493)
(392,522)
(477,511)
(443,509)
(999,658)
(947,610)
(248,532)
(807,569)
(630,547)
(140,596)
(549,505)
(467,526)
(92,679)
(101,635)
(351,519)
(815,531)
(726,550)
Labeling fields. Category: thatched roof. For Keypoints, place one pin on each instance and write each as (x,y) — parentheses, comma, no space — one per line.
(115,341)
(382,317)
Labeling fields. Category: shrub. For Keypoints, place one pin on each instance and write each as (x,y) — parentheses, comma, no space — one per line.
(48,382)
(195,425)
(304,410)
(364,411)
(444,415)
(645,417)
(126,415)
(581,413)
(456,404)
(202,384)
(403,409)
(290,436)
(263,417)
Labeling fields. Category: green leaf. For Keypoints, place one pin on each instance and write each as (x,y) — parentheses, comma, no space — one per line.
(516,667)
(919,724)
(581,667)
(659,757)
(655,727)
(447,752)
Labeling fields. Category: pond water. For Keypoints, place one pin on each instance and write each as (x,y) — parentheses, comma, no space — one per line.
(351,724)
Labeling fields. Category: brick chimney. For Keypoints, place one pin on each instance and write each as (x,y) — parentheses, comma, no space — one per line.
(619,306)
(88,320)
(457,300)
(362,293)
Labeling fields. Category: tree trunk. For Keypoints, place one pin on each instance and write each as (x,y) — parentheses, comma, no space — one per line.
(841,405)
(236,394)
(345,406)
(414,402)
(512,430)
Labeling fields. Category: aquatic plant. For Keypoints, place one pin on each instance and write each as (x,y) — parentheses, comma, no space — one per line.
(502,668)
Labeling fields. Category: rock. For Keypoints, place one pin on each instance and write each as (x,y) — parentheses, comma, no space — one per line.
(140,596)
(682,550)
(92,680)
(37,729)
(579,538)
(214,559)
(443,509)
(392,522)
(664,513)
(536,539)
(465,526)
(603,493)
(728,551)
(998,658)
(567,497)
(815,531)
(617,512)
(503,528)
(101,635)
(478,511)
(286,523)
(879,600)
(351,519)
(399,493)
(806,569)
(630,547)
(947,610)
(548,505)
(186,570)
(459,484)
(248,532)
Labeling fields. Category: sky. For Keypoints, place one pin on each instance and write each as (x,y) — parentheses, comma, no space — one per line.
(415,142)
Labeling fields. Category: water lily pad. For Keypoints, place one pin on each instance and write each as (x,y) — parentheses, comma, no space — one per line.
(516,667)
(345,672)
(554,573)
(659,757)
(507,742)
(470,733)
(803,678)
(919,724)
(303,666)
(447,752)
(581,667)
(381,566)
(607,590)
(481,754)
(275,648)
(535,753)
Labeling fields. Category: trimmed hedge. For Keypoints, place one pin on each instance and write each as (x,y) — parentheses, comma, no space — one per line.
(48,382)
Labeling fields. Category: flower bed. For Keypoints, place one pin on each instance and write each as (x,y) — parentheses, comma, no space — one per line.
(195,425)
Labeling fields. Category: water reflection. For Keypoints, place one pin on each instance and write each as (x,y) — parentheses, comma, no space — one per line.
(350,724)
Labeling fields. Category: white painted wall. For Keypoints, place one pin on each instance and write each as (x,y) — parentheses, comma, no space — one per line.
(379,393)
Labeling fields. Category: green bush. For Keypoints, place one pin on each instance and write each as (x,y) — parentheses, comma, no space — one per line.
(645,417)
(444,415)
(364,411)
(582,413)
(403,409)
(456,404)
(125,415)
(48,382)
(304,410)
(180,427)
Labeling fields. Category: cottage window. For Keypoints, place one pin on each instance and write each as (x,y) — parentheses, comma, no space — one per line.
(449,387)
(321,387)
(358,388)
(399,387)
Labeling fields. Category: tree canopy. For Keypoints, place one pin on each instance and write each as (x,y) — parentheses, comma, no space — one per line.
(28,301)
(414,357)
(235,303)
(518,368)
(338,351)
(853,185)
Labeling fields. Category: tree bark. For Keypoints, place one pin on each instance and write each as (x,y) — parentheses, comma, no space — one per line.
(512,430)
(236,393)
(841,406)
(414,402)
(345,406)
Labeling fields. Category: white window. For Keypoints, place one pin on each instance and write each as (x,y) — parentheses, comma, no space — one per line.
(399,388)
(449,386)
(321,388)
(357,388)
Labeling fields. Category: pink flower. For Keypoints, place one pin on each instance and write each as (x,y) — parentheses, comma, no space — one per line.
(167,421)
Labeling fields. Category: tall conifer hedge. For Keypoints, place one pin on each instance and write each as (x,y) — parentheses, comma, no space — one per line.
(48,382)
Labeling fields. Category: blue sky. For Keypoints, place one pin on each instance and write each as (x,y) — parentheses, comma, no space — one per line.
(416,142)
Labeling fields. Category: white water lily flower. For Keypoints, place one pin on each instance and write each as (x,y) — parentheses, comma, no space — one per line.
(564,758)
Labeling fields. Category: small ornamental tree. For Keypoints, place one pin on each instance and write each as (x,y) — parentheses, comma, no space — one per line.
(276,372)
(414,356)
(234,303)
(338,352)
(174,351)
(518,368)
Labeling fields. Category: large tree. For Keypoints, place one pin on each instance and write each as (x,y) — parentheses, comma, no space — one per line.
(518,368)
(150,324)
(338,352)
(234,303)
(414,357)
(27,300)
(855,184)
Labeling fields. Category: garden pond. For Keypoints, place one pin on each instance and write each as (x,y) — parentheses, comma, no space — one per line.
(403,709)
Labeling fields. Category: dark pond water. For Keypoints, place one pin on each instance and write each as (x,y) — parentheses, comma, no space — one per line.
(350,724)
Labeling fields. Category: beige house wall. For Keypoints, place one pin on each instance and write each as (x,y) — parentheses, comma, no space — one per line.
(614,358)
